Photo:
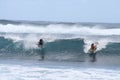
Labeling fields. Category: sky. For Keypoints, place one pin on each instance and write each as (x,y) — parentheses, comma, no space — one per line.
(61,10)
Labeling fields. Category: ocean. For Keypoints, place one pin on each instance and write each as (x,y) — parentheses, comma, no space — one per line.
(65,50)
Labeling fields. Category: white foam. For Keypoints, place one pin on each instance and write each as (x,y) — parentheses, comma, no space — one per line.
(101,44)
(30,41)
(33,72)
(59,28)
(51,32)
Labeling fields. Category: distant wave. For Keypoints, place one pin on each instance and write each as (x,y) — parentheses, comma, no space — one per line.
(59,29)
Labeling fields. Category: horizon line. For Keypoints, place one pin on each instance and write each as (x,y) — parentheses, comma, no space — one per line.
(61,21)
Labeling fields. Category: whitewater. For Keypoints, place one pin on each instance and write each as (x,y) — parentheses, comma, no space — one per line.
(65,50)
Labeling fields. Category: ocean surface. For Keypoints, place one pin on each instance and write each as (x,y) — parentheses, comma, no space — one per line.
(65,51)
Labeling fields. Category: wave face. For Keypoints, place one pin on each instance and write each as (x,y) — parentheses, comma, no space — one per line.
(63,41)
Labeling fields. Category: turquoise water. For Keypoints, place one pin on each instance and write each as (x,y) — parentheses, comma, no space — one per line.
(65,51)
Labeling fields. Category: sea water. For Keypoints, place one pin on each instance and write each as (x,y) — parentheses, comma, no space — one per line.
(65,51)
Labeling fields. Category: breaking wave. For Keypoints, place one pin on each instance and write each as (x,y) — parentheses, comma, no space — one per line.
(63,41)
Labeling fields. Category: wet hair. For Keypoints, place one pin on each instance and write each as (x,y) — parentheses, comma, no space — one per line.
(92,46)
(41,39)
(41,42)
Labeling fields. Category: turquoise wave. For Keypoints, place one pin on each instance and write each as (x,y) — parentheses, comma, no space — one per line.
(63,41)
(63,49)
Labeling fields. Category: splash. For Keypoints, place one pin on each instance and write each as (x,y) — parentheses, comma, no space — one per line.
(101,44)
